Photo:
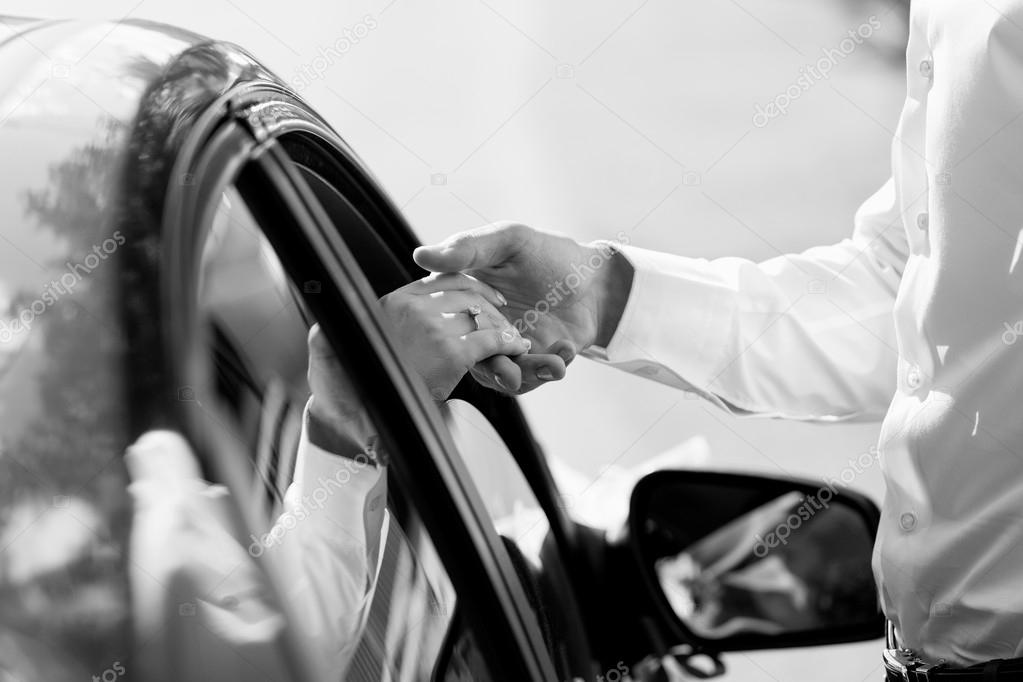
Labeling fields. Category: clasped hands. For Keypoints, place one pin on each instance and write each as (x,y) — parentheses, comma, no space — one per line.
(502,305)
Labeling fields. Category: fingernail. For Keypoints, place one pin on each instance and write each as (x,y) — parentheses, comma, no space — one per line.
(501,299)
(566,356)
(508,335)
(544,374)
(497,380)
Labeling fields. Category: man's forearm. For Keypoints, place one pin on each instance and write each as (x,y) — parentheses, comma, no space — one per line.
(751,338)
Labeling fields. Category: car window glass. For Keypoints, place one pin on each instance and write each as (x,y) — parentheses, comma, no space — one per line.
(510,501)
(65,515)
(362,574)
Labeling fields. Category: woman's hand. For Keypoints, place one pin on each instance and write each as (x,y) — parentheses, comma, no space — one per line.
(432,321)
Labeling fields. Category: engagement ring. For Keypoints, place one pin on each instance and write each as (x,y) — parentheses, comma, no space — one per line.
(474,312)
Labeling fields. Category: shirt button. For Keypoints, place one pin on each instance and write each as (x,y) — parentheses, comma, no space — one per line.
(926,68)
(907,521)
(922,220)
(913,378)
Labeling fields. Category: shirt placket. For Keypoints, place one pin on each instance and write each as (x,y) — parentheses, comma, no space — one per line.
(916,181)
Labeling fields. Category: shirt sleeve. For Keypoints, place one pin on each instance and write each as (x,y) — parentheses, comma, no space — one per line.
(802,336)
(330,532)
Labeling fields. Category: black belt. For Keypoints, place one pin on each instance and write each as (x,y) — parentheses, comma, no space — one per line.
(902,665)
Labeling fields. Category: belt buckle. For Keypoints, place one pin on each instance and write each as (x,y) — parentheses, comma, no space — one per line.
(908,666)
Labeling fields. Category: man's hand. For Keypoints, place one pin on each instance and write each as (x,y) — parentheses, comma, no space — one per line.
(562,295)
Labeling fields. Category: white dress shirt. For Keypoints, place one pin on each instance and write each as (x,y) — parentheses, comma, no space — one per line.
(202,608)
(916,317)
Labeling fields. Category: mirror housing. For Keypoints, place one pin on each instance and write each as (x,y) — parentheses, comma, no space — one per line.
(742,562)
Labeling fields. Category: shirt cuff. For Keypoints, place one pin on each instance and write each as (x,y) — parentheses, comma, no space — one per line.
(673,325)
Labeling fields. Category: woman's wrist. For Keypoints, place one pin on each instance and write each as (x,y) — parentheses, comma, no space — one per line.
(331,431)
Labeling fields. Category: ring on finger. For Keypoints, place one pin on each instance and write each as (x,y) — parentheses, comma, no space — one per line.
(474,311)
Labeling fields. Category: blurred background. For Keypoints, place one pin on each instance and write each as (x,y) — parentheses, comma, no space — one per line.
(595,117)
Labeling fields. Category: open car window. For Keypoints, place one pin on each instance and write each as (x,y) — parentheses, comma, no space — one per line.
(510,501)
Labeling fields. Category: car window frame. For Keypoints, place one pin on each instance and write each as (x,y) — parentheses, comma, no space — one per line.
(239,142)
(342,169)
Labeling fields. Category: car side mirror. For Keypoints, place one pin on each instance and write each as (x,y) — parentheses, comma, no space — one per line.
(739,562)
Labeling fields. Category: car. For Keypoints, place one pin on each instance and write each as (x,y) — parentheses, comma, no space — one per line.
(175,220)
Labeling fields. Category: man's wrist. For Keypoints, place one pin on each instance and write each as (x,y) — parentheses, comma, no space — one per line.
(611,291)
